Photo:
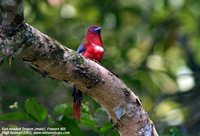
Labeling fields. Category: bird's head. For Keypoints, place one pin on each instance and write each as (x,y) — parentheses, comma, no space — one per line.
(94,35)
(94,30)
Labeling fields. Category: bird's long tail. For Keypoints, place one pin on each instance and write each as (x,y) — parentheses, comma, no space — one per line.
(78,98)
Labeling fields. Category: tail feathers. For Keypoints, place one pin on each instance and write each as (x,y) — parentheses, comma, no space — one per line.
(78,97)
(77,111)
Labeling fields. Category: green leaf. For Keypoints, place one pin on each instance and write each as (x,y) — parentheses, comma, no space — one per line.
(71,126)
(89,122)
(106,128)
(14,116)
(50,120)
(175,132)
(37,111)
(60,109)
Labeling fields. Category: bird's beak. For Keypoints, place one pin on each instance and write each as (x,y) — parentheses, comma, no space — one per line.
(98,30)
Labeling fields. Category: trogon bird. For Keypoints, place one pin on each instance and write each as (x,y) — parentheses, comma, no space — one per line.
(91,48)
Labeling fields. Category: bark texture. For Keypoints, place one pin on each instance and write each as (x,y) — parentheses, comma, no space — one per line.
(50,58)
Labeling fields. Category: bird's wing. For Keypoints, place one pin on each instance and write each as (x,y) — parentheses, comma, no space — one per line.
(81,49)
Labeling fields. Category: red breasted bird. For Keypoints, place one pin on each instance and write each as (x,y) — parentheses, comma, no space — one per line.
(92,49)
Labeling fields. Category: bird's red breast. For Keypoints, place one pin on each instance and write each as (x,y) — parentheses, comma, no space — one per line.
(94,52)
(94,44)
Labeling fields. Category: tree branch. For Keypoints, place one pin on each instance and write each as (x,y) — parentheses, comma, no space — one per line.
(50,58)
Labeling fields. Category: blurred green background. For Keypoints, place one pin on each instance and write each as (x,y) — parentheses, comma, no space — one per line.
(153,45)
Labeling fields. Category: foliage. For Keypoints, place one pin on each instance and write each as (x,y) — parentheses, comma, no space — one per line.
(152,45)
(61,117)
